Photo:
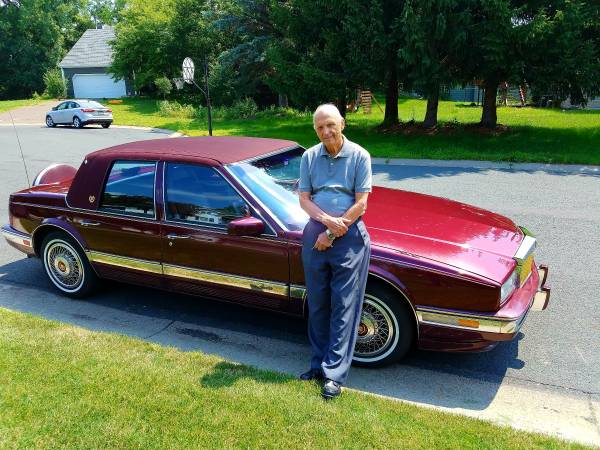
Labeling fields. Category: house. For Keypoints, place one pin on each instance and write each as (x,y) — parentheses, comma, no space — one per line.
(85,67)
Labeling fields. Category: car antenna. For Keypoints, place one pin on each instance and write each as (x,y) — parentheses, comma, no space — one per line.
(20,148)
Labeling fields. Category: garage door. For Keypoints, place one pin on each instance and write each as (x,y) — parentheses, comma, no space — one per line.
(98,85)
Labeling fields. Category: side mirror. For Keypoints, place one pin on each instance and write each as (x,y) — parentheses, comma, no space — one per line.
(246,226)
(54,108)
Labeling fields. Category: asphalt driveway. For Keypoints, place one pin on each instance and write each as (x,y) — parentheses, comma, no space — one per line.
(548,379)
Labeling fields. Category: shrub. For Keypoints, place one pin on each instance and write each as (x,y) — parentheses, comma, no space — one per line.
(242,109)
(175,109)
(55,85)
(163,86)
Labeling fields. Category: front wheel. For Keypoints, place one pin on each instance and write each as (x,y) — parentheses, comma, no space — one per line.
(67,266)
(386,331)
(49,122)
(77,123)
(105,125)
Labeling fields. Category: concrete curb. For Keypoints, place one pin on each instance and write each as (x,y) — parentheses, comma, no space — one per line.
(490,165)
(171,133)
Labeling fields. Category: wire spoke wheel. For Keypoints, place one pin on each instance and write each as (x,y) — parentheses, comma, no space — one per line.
(64,266)
(376,330)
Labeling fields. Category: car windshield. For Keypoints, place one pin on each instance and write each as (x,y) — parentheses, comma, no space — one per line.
(274,181)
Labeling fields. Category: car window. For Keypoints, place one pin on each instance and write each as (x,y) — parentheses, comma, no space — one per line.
(74,105)
(63,105)
(200,195)
(130,189)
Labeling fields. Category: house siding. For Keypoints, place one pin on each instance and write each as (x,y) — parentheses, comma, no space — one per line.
(70,71)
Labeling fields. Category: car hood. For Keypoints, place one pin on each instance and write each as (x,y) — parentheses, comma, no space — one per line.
(455,234)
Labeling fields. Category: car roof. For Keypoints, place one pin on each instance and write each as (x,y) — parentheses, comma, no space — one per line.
(220,149)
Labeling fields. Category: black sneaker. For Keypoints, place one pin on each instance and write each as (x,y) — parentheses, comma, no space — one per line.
(312,374)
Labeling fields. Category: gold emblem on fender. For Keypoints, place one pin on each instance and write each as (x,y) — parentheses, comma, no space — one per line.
(92,198)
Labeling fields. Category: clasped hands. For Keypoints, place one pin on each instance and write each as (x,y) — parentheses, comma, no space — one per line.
(337,225)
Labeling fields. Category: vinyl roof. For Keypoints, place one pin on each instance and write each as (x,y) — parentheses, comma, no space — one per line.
(221,149)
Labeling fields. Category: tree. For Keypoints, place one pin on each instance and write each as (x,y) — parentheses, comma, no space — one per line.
(33,42)
(434,43)
(324,51)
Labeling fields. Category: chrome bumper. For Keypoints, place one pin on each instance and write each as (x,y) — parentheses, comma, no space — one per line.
(542,296)
(21,241)
(497,328)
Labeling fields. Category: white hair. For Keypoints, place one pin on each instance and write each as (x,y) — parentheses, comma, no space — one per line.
(327,108)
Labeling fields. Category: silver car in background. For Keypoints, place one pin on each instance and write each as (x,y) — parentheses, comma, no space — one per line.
(79,113)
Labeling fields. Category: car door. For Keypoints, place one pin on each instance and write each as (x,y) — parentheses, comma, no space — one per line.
(58,116)
(202,258)
(123,235)
(72,111)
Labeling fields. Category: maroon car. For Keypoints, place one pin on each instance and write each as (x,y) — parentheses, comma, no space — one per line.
(219,217)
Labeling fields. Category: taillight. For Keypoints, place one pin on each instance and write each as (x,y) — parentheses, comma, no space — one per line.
(109,110)
(88,110)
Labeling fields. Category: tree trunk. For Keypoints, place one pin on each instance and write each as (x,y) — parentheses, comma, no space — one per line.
(341,104)
(489,118)
(391,94)
(432,108)
(282,100)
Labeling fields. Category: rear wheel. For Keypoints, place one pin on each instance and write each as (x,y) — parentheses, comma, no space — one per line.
(387,328)
(67,266)
(49,122)
(105,125)
(77,123)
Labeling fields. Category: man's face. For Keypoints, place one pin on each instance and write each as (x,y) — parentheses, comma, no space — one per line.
(329,128)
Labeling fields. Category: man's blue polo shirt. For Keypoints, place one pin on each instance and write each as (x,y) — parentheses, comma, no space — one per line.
(334,181)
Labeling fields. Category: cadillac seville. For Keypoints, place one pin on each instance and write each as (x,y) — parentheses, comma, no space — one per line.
(219,217)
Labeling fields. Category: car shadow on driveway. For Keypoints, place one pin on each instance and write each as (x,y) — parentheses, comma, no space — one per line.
(261,339)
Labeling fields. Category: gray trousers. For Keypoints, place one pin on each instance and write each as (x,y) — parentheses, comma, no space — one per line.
(335,281)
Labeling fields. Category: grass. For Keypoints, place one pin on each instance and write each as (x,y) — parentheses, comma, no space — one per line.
(6,105)
(66,387)
(534,135)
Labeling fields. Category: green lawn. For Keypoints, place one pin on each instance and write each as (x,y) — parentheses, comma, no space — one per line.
(534,135)
(66,387)
(6,105)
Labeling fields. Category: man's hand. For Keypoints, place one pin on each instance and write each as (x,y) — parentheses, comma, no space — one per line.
(323,242)
(337,225)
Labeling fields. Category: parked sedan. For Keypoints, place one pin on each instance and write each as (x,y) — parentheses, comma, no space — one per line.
(219,217)
(79,113)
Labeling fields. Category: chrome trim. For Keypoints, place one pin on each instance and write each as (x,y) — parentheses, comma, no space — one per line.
(224,229)
(527,247)
(253,284)
(297,291)
(126,262)
(486,324)
(53,226)
(257,200)
(16,237)
(42,173)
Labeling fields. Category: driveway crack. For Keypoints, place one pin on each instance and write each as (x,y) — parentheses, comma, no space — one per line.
(161,330)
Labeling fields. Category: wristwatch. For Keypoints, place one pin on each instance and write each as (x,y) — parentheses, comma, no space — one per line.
(330,234)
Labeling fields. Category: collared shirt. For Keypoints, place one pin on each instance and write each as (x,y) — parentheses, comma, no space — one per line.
(333,181)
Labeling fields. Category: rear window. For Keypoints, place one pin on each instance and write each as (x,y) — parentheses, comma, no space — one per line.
(129,189)
(90,104)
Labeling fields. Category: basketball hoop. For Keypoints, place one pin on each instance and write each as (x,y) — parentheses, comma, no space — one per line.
(188,70)
(178,83)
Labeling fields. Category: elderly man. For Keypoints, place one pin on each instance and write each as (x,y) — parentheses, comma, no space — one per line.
(335,181)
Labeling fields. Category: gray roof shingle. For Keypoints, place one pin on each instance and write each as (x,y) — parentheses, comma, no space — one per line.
(91,50)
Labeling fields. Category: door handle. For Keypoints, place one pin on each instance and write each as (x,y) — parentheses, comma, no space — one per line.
(89,223)
(177,236)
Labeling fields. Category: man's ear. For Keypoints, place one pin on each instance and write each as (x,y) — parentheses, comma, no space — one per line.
(343,123)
